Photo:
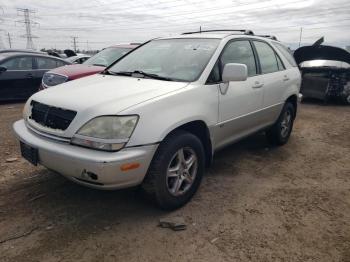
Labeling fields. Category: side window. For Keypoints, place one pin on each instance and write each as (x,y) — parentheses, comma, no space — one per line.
(267,57)
(59,63)
(214,76)
(83,59)
(239,52)
(287,53)
(19,63)
(46,63)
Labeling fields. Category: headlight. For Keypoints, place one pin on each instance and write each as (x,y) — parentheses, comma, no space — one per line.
(109,133)
(51,79)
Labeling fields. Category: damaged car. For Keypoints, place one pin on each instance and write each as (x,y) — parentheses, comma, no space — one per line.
(325,72)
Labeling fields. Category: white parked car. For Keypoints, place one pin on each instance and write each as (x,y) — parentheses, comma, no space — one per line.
(156,117)
(78,59)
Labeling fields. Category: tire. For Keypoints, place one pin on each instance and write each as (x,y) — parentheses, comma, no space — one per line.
(346,100)
(167,172)
(280,132)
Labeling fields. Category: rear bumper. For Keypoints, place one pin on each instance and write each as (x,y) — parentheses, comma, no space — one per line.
(78,164)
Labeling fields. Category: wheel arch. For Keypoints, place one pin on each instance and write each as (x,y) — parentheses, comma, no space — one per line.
(293,99)
(200,129)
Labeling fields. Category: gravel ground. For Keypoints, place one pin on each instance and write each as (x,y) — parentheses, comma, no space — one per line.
(256,203)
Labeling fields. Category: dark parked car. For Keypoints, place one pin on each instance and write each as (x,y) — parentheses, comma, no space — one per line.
(325,72)
(21,51)
(93,65)
(21,73)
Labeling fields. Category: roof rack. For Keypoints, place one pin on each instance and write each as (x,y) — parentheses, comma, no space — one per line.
(244,31)
(269,36)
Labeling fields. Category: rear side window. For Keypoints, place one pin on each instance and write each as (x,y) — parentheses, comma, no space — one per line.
(60,63)
(48,63)
(287,53)
(19,63)
(267,57)
(239,52)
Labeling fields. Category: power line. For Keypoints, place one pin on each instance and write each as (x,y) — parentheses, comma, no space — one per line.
(130,26)
(28,23)
(222,16)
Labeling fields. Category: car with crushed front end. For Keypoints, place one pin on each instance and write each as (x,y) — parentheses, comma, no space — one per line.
(325,72)
(156,117)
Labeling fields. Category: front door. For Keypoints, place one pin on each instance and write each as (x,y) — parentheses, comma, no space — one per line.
(18,79)
(241,101)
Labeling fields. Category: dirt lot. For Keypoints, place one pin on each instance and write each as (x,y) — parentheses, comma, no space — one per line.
(255,204)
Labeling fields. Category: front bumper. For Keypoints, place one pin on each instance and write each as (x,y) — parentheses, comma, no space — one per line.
(88,167)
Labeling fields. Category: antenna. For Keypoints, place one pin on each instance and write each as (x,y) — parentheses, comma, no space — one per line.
(28,23)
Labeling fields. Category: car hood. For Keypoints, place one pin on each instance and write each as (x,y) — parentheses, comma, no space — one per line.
(77,70)
(321,52)
(98,95)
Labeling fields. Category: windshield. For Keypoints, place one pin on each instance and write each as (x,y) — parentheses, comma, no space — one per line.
(107,56)
(176,59)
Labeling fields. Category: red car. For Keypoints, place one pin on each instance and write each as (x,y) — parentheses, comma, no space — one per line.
(93,65)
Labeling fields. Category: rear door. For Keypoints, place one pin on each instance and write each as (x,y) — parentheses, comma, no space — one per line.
(239,105)
(44,64)
(17,81)
(275,79)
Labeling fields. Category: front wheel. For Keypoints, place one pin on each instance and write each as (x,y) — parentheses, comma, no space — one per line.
(176,170)
(280,132)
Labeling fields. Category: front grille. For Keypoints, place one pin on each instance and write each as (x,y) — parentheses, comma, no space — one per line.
(52,117)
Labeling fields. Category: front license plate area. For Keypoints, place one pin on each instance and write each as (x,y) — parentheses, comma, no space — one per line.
(29,153)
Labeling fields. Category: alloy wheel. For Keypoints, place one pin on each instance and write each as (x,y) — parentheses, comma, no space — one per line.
(182,171)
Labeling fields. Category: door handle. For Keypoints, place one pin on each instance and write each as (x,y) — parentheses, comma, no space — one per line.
(257,84)
(285,78)
(29,75)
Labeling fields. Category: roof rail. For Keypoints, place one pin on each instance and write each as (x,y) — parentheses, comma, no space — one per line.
(244,31)
(269,36)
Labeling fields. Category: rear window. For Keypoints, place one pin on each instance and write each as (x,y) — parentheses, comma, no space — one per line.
(287,53)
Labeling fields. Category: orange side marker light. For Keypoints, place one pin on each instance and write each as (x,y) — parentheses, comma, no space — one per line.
(129,166)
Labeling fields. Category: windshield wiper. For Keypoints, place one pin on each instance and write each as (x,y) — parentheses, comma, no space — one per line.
(99,65)
(138,72)
(107,72)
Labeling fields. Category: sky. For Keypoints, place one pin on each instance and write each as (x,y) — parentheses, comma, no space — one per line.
(101,23)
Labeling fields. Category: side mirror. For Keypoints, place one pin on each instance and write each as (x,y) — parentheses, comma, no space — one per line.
(2,69)
(234,72)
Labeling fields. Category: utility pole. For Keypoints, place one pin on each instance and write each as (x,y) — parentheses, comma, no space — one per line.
(301,34)
(28,23)
(75,43)
(9,39)
(2,46)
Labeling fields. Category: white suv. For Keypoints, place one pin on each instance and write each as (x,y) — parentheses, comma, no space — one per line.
(156,116)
